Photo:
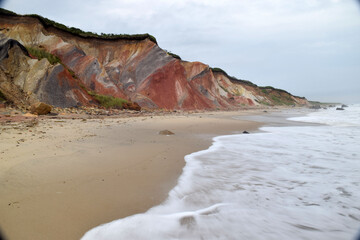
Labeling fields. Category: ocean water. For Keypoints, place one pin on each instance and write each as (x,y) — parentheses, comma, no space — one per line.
(294,182)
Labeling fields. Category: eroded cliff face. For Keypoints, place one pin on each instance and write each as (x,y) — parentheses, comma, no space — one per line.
(136,70)
(25,81)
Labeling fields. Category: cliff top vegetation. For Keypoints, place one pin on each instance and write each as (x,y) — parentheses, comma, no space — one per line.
(78,32)
(219,70)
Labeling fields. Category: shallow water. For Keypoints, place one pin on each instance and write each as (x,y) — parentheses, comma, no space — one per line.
(294,182)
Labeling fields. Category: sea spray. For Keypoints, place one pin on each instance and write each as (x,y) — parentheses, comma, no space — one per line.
(298,182)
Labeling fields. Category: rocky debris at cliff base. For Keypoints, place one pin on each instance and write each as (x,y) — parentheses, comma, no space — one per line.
(315,107)
(132,106)
(9,118)
(166,132)
(93,111)
(340,108)
(29,115)
(40,108)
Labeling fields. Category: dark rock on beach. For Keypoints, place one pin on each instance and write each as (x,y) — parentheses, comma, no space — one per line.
(132,106)
(166,132)
(40,108)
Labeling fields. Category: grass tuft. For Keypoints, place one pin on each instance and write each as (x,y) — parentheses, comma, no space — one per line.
(173,54)
(40,54)
(108,101)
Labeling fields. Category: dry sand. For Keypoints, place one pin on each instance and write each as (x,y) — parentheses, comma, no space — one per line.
(60,178)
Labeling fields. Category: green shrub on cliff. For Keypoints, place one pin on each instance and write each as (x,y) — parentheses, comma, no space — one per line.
(264,91)
(40,54)
(276,100)
(4,11)
(262,102)
(233,79)
(218,70)
(108,101)
(282,100)
(173,54)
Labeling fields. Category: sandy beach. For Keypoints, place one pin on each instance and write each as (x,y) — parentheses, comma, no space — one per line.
(62,177)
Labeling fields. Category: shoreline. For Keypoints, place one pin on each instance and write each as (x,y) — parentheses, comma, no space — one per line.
(67,176)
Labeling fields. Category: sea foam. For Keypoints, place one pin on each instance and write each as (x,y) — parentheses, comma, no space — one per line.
(298,182)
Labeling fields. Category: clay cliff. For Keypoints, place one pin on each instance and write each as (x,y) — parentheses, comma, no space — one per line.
(44,61)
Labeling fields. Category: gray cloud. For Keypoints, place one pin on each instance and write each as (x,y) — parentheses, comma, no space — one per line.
(309,47)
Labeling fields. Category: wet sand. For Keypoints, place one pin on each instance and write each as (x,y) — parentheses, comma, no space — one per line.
(62,177)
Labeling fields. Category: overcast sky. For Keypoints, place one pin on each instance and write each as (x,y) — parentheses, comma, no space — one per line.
(310,48)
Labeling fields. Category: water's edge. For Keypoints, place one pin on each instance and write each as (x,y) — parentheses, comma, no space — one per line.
(288,171)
